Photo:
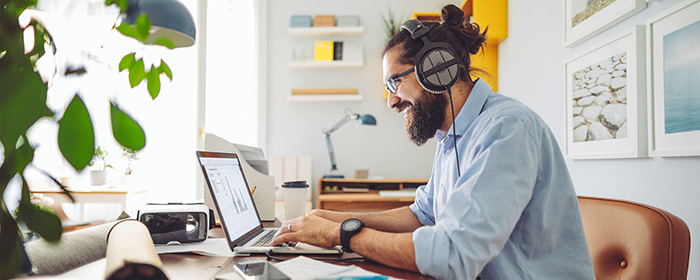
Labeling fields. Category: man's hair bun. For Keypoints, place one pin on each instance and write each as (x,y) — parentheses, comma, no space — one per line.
(452,16)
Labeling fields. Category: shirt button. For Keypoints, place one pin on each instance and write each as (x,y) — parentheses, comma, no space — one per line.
(448,150)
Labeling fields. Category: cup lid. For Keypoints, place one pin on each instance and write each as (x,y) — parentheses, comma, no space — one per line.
(295,184)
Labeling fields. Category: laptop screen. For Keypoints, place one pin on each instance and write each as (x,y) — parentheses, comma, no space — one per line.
(231,194)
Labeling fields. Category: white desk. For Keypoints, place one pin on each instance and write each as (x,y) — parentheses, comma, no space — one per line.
(128,198)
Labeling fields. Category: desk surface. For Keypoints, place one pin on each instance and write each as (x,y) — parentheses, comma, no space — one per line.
(193,266)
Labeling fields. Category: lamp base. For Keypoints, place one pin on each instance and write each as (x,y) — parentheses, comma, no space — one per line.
(334,176)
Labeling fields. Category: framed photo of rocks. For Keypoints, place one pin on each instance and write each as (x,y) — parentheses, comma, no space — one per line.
(673,63)
(585,18)
(606,101)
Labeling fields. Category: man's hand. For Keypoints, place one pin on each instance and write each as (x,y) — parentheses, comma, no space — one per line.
(310,229)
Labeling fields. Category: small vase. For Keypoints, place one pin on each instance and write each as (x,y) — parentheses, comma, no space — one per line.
(98,177)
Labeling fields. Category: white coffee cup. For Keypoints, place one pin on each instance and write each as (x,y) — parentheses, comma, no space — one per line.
(294,193)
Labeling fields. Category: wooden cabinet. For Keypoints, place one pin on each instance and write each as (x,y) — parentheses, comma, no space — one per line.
(363,194)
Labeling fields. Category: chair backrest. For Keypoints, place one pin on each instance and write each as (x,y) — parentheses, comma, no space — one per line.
(629,240)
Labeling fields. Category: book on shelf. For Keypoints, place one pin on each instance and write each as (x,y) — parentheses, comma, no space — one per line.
(398,193)
(323,51)
(337,51)
(356,190)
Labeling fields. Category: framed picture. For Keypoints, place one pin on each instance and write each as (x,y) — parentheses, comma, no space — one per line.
(673,60)
(585,18)
(605,99)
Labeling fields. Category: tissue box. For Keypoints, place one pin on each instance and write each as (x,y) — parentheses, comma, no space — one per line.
(300,21)
(348,21)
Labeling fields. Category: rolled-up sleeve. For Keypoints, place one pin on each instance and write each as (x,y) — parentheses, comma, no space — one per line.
(499,170)
(422,207)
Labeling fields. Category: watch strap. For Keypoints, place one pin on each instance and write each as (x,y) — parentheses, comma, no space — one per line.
(345,236)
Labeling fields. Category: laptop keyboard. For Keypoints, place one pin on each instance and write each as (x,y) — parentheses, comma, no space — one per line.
(265,240)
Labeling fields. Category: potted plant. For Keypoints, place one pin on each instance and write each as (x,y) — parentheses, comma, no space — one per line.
(23,98)
(99,158)
(392,24)
(130,155)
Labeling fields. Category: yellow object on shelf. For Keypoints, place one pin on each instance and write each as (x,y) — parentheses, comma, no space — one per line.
(323,51)
(491,13)
(323,91)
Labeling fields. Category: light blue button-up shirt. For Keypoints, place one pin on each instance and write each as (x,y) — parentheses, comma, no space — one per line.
(513,212)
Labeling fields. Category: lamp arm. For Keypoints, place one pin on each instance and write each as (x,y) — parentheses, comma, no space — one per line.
(331,152)
(341,122)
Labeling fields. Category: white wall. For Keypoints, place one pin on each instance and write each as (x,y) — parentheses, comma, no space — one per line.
(531,70)
(295,128)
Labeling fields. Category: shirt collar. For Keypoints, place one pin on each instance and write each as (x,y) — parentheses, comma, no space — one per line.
(471,109)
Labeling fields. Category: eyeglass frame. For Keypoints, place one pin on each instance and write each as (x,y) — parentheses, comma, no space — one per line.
(391,85)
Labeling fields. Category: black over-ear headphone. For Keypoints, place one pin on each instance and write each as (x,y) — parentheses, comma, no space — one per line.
(437,68)
(436,64)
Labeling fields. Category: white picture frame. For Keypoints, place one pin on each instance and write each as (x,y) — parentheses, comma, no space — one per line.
(583,21)
(606,99)
(675,133)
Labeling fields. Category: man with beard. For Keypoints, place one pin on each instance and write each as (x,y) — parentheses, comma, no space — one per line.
(506,210)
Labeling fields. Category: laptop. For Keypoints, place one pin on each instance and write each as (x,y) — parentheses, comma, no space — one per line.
(239,217)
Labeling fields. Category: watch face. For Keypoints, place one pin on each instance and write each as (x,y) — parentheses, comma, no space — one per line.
(351,225)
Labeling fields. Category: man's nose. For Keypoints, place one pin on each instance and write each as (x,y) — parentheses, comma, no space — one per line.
(392,100)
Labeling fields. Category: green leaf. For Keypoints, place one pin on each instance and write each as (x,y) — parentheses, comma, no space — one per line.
(76,138)
(127,61)
(123,4)
(153,82)
(40,35)
(23,155)
(42,222)
(125,130)
(129,31)
(9,240)
(136,73)
(165,69)
(143,25)
(165,42)
(23,98)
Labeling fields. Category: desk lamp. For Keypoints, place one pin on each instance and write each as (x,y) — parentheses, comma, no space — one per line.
(169,19)
(349,116)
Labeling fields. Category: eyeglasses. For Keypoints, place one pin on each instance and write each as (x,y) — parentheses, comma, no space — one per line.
(392,84)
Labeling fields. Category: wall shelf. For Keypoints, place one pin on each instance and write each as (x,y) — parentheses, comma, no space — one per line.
(324,64)
(324,98)
(324,31)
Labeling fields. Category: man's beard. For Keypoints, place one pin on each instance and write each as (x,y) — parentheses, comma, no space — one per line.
(427,116)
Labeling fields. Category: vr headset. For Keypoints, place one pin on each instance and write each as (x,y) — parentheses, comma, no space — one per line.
(184,223)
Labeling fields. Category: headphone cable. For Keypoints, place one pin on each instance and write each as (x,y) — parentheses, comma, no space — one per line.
(454,131)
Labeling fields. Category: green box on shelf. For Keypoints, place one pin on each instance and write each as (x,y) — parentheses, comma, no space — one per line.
(301,21)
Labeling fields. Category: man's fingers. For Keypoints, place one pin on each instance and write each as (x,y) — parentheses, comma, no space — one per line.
(284,237)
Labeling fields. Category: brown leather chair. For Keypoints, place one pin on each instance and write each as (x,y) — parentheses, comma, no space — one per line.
(629,240)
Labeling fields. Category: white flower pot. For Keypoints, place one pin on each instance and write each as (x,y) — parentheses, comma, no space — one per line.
(98,177)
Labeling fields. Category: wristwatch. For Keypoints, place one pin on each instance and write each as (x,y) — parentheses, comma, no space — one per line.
(347,229)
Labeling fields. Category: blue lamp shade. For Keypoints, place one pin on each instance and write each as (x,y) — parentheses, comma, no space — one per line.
(169,19)
(367,120)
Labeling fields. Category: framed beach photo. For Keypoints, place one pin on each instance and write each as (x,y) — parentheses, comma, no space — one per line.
(605,99)
(585,18)
(673,66)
